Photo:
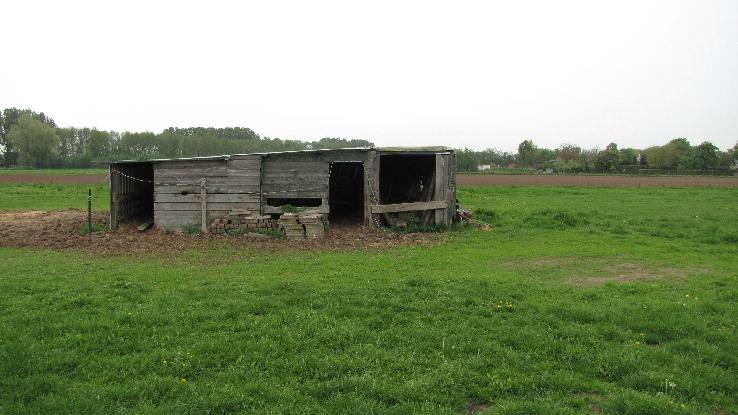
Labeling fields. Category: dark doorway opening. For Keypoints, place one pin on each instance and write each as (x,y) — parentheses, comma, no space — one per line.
(346,192)
(131,193)
(405,178)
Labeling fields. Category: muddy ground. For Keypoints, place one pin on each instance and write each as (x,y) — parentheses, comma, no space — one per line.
(65,230)
(594,181)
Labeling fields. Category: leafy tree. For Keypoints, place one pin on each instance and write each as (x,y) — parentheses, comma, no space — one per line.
(466,160)
(726,158)
(569,153)
(628,157)
(37,143)
(669,156)
(607,160)
(98,144)
(705,156)
(329,143)
(527,152)
(8,120)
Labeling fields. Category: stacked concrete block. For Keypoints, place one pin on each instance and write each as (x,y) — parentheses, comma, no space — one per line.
(304,225)
(245,221)
(292,228)
(314,225)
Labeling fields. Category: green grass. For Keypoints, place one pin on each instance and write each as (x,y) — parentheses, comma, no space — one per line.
(21,170)
(15,197)
(527,318)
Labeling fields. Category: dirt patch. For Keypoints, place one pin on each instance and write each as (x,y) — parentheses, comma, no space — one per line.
(626,272)
(597,271)
(594,181)
(64,230)
(55,178)
(475,408)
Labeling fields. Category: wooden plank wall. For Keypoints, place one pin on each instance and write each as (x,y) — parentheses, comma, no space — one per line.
(231,184)
(302,175)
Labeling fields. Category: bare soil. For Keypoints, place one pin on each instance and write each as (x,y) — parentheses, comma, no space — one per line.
(64,230)
(597,271)
(626,272)
(595,181)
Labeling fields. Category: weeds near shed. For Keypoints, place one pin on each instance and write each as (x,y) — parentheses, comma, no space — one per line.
(193,230)
(292,209)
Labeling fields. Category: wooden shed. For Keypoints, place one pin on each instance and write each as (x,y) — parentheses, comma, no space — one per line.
(371,186)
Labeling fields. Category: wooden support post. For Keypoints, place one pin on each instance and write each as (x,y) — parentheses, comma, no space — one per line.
(204,205)
(439,193)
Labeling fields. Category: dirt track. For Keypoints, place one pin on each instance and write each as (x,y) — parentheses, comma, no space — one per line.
(594,181)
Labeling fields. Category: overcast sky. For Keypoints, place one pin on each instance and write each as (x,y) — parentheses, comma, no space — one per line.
(461,74)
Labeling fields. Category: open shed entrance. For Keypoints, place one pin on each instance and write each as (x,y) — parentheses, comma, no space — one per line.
(406,179)
(346,192)
(131,193)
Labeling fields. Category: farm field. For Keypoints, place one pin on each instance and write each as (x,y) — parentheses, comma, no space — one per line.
(99,176)
(556,180)
(66,176)
(578,301)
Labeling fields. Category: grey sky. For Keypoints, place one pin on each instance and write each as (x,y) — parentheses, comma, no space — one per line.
(463,74)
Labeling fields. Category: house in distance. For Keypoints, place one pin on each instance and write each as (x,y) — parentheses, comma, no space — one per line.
(362,186)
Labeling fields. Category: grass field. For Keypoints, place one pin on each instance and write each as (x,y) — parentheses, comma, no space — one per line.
(621,301)
(24,171)
(49,196)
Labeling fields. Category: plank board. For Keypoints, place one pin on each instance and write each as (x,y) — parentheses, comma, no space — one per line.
(211,206)
(214,167)
(407,207)
(211,198)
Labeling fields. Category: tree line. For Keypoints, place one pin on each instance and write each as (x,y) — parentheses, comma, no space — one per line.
(29,138)
(674,156)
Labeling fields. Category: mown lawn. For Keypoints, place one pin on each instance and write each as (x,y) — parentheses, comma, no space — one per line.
(621,301)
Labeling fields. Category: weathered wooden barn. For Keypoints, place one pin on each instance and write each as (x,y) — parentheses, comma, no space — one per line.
(372,186)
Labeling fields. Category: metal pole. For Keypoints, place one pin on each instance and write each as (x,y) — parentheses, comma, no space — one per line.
(89,212)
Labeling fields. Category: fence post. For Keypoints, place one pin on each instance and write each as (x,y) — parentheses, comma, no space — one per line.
(89,213)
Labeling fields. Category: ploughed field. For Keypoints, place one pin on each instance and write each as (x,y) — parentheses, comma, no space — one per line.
(579,300)
(595,180)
